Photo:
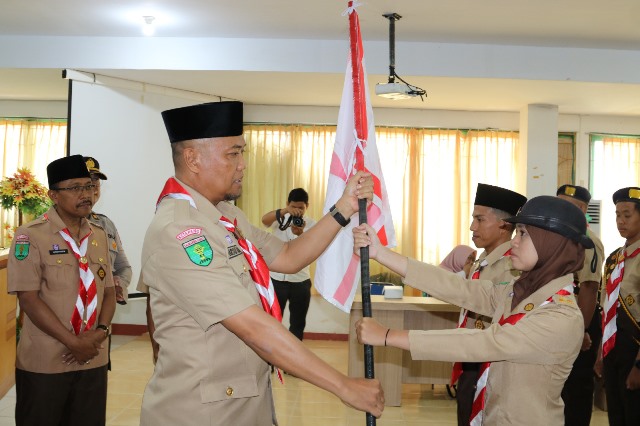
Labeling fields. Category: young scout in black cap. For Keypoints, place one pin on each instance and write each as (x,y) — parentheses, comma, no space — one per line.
(216,332)
(59,268)
(490,232)
(577,393)
(536,331)
(621,331)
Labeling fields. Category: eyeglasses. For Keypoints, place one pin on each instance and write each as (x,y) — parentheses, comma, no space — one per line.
(78,189)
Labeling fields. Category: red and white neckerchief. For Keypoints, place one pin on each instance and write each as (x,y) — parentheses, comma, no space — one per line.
(477,409)
(611,303)
(456,372)
(259,270)
(87,300)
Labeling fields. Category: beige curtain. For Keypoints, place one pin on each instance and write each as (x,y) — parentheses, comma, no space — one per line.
(431,176)
(615,164)
(28,144)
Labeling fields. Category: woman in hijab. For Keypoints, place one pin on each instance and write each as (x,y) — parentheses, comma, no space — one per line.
(459,260)
(537,328)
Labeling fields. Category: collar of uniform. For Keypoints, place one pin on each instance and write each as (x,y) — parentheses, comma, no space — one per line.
(202,204)
(496,254)
(632,247)
(543,293)
(58,225)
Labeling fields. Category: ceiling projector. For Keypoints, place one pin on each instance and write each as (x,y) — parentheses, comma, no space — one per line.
(396,91)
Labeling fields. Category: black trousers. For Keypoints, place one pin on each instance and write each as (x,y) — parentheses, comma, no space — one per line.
(77,398)
(466,390)
(623,406)
(577,393)
(298,295)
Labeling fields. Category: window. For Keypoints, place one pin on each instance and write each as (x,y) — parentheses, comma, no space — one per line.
(30,143)
(431,176)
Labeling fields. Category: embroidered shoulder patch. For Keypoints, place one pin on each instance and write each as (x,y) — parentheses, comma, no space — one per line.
(22,249)
(187,232)
(199,251)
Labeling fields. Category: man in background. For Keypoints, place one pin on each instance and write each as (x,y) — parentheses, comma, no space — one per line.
(119,262)
(289,223)
(490,232)
(59,268)
(579,387)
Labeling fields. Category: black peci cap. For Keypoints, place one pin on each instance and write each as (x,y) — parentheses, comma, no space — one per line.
(499,198)
(64,168)
(210,120)
(94,167)
(631,193)
(556,215)
(578,192)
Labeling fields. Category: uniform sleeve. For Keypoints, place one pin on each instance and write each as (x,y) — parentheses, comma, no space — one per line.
(268,244)
(200,280)
(141,286)
(122,267)
(585,273)
(548,335)
(24,271)
(475,295)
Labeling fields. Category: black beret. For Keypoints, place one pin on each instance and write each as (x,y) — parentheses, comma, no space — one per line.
(631,193)
(578,192)
(556,215)
(210,120)
(499,198)
(94,167)
(64,168)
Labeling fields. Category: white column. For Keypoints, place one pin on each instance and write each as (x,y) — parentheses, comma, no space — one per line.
(538,150)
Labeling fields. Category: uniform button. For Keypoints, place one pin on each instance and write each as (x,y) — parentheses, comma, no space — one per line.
(101,260)
(229,391)
(59,261)
(245,268)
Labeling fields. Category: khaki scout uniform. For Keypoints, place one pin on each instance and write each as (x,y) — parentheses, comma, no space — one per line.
(119,262)
(499,271)
(41,260)
(197,277)
(531,359)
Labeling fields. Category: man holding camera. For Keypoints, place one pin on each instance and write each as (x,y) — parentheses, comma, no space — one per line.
(287,224)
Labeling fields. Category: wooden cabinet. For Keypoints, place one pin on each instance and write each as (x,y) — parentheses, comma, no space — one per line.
(7,332)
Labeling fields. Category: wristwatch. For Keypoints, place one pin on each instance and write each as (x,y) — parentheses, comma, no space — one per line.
(104,328)
(637,363)
(333,211)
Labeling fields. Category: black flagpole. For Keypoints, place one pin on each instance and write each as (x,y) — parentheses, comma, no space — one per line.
(365,281)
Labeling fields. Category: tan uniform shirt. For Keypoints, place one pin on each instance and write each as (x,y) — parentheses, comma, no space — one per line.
(197,276)
(630,289)
(50,267)
(499,271)
(530,360)
(119,262)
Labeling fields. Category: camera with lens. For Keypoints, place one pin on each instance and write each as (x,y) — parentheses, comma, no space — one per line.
(297,221)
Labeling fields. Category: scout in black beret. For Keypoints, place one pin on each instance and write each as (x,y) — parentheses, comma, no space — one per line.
(578,192)
(64,168)
(210,120)
(631,194)
(499,198)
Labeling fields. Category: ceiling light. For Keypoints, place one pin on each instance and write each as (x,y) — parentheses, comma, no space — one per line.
(148,28)
(393,89)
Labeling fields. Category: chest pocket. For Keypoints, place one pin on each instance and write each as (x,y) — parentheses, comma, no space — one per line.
(99,267)
(60,269)
(239,266)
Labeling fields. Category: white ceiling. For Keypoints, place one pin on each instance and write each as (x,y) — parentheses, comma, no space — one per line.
(577,24)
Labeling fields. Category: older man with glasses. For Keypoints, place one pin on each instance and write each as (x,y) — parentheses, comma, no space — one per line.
(60,270)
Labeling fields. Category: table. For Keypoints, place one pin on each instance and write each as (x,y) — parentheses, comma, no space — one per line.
(393,366)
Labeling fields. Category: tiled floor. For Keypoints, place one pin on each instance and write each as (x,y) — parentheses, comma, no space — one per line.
(297,402)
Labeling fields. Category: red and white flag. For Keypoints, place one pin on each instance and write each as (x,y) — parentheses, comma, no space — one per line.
(337,270)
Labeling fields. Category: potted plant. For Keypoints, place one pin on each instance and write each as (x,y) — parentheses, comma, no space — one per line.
(23,191)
